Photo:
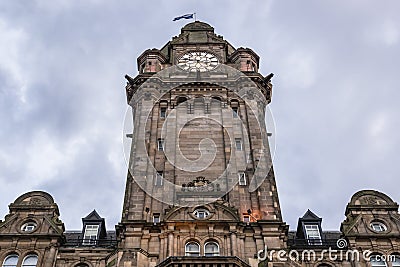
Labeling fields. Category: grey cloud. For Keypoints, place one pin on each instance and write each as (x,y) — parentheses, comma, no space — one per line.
(334,99)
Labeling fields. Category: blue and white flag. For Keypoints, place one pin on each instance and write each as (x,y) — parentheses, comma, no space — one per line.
(187,16)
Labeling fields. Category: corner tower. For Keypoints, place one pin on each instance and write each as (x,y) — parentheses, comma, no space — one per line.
(200,186)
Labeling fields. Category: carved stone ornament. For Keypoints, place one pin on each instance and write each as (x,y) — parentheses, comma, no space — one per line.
(35,201)
(372,200)
(200,184)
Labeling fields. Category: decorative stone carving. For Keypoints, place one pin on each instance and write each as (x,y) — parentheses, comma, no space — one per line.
(35,201)
(200,184)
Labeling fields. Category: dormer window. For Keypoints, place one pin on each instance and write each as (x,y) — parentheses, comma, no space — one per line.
(90,235)
(313,234)
(94,230)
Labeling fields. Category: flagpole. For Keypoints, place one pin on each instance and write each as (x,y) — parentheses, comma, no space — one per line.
(194,16)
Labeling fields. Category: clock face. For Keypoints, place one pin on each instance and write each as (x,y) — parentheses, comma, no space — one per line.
(198,61)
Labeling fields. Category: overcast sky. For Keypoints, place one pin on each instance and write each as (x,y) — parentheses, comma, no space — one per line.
(335,97)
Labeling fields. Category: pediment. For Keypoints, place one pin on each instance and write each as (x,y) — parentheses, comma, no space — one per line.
(35,198)
(45,224)
(351,225)
(371,198)
(181,39)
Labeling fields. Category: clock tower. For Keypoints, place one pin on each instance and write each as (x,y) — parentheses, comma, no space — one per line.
(200,188)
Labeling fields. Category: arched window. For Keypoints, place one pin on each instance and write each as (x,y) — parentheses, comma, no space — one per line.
(324,265)
(10,261)
(30,260)
(377,261)
(192,249)
(395,260)
(81,265)
(211,249)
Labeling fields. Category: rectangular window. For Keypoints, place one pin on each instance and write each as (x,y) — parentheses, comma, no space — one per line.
(163,112)
(313,235)
(156,218)
(242,178)
(159,178)
(90,235)
(235,112)
(246,218)
(238,144)
(160,144)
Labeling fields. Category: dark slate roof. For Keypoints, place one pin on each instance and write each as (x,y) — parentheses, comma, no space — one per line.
(74,239)
(325,234)
(93,216)
(309,215)
(69,235)
(329,239)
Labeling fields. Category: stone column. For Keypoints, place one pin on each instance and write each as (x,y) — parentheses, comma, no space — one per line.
(170,244)
(234,244)
(50,257)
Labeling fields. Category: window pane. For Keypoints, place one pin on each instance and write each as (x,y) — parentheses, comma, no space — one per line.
(242,178)
(163,112)
(238,144)
(11,261)
(201,213)
(235,112)
(90,235)
(313,234)
(211,249)
(192,249)
(312,231)
(378,227)
(160,144)
(156,218)
(30,260)
(396,261)
(376,261)
(159,178)
(28,227)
